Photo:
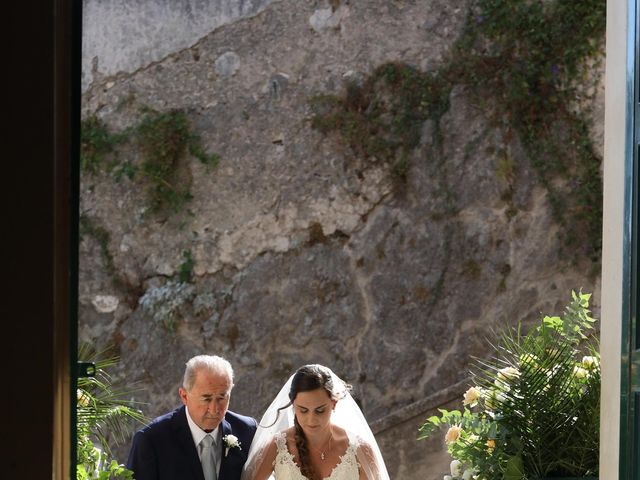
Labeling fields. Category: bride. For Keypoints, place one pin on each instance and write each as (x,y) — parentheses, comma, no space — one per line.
(315,431)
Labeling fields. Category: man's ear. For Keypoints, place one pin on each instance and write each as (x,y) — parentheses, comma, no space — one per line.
(183,395)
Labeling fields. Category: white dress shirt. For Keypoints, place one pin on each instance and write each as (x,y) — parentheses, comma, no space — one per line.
(198,434)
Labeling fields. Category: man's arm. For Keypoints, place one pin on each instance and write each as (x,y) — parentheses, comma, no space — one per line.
(142,458)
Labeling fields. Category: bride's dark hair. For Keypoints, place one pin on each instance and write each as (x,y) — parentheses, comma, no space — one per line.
(306,379)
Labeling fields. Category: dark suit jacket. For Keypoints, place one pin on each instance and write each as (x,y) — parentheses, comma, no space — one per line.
(164,449)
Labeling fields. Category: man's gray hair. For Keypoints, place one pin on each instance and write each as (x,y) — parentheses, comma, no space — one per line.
(210,363)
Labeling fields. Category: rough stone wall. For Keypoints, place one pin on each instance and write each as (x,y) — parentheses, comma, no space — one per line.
(302,252)
(120,36)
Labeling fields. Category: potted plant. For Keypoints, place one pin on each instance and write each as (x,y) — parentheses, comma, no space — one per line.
(532,410)
(103,412)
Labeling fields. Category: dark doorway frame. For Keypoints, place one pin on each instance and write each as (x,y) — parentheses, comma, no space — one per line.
(39,248)
(630,346)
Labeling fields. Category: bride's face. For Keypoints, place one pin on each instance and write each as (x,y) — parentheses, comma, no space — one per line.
(313,410)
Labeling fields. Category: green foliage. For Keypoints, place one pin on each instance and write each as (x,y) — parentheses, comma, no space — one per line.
(103,411)
(96,143)
(112,470)
(163,140)
(185,271)
(529,57)
(381,119)
(533,408)
(575,322)
(533,56)
(93,463)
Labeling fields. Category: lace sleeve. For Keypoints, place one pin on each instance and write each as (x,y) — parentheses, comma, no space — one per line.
(259,465)
(370,460)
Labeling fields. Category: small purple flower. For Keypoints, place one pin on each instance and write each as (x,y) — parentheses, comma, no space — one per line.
(479,19)
(555,70)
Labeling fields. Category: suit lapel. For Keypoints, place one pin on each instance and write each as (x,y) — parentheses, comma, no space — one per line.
(226,430)
(185,440)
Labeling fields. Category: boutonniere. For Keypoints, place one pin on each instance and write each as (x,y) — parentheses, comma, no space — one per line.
(230,441)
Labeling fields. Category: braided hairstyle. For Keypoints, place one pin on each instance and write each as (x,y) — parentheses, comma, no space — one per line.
(306,379)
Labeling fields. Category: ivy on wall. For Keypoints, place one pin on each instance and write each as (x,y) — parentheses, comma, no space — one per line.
(161,140)
(531,58)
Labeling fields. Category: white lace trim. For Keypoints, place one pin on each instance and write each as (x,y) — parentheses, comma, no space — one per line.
(285,467)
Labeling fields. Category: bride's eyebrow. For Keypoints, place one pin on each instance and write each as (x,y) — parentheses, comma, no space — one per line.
(314,408)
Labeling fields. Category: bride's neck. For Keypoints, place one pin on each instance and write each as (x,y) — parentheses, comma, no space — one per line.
(320,440)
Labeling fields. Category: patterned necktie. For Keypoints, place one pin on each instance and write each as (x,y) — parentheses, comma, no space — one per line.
(207,458)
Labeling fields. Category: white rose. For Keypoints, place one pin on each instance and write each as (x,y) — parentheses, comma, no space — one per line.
(447,477)
(452,434)
(83,398)
(230,441)
(471,396)
(507,374)
(589,362)
(467,475)
(456,468)
(580,372)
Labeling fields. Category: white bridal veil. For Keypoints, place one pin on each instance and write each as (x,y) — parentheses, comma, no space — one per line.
(346,415)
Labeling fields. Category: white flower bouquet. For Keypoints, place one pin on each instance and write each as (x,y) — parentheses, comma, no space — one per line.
(533,409)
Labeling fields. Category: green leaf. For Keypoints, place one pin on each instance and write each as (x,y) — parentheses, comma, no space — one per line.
(514,469)
(103,411)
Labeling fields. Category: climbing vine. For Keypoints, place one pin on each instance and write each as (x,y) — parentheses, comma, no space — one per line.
(531,58)
(162,141)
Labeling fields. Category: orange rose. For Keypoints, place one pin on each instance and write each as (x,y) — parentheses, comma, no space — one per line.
(452,434)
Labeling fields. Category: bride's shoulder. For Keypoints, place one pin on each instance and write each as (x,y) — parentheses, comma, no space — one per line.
(361,445)
(348,435)
(283,437)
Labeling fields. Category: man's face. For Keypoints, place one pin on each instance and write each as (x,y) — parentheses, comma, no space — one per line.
(208,399)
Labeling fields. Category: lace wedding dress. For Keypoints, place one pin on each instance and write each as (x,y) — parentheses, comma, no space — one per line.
(285,467)
(362,453)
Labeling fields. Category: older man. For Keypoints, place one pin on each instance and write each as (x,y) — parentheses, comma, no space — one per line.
(200,440)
